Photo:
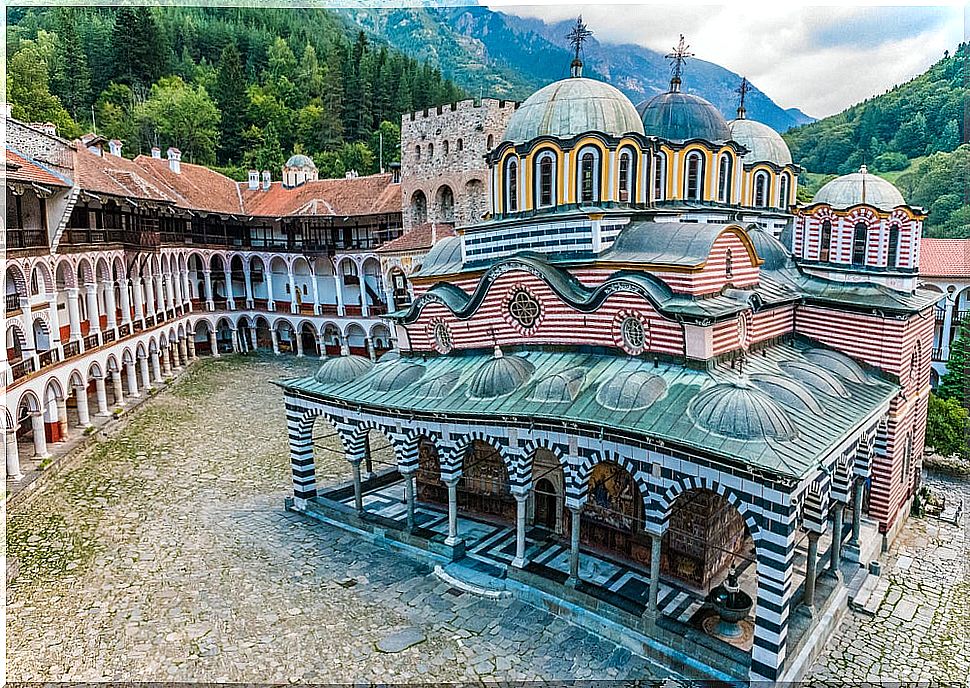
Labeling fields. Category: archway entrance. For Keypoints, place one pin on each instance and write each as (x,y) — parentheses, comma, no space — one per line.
(428,482)
(546,505)
(484,485)
(612,520)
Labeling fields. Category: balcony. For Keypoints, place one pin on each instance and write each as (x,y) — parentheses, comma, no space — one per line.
(108,336)
(72,349)
(49,357)
(938,356)
(22,368)
(91,341)
(13,302)
(26,238)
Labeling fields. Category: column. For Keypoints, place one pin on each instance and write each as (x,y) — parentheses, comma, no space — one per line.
(836,559)
(170,291)
(364,313)
(132,380)
(251,334)
(860,489)
(174,357)
(947,327)
(102,396)
(73,313)
(209,303)
(230,301)
(62,418)
(214,343)
(452,539)
(294,308)
(55,323)
(338,285)
(368,342)
(520,504)
(322,346)
(811,572)
(656,539)
(575,512)
(40,439)
(186,291)
(149,295)
(146,381)
(94,311)
(83,414)
(358,488)
(125,302)
(163,360)
(12,452)
(156,368)
(116,385)
(110,306)
(316,292)
(137,297)
(234,339)
(160,294)
(276,341)
(247,278)
(409,498)
(190,342)
(183,352)
(299,344)
(268,276)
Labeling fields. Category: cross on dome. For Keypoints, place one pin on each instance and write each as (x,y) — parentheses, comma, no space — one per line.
(578,35)
(677,57)
(742,91)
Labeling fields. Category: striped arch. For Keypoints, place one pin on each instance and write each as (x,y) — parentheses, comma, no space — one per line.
(842,478)
(865,452)
(454,466)
(815,508)
(408,457)
(16,274)
(299,423)
(527,459)
(357,444)
(577,486)
(44,280)
(665,503)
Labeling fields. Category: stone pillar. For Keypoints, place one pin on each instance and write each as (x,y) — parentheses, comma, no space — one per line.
(369,343)
(186,291)
(163,362)
(338,285)
(191,344)
(409,498)
(149,283)
(94,312)
(209,302)
(276,341)
(102,397)
(811,572)
(656,539)
(125,302)
(146,380)
(299,345)
(294,307)
(12,452)
(316,292)
(62,419)
(575,513)
(83,413)
(160,295)
(520,503)
(118,391)
(132,380)
(947,327)
(138,298)
(268,276)
(364,312)
(358,488)
(452,540)
(860,488)
(248,280)
(73,313)
(170,291)
(173,353)
(230,301)
(183,352)
(322,346)
(110,306)
(214,343)
(40,439)
(156,369)
(836,558)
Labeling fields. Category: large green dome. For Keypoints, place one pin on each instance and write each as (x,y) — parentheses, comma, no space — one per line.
(858,188)
(677,116)
(570,107)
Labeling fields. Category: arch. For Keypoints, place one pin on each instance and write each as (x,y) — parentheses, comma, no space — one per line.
(16,340)
(127,358)
(264,337)
(762,189)
(588,172)
(308,338)
(546,174)
(40,280)
(487,476)
(65,274)
(725,178)
(95,370)
(28,401)
(627,175)
(53,389)
(76,379)
(15,281)
(784,191)
(42,334)
(445,200)
(102,271)
(825,241)
(860,242)
(511,203)
(694,176)
(111,363)
(585,468)
(665,501)
(892,250)
(84,272)
(419,207)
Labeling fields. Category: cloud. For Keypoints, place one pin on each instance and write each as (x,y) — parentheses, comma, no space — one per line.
(820,59)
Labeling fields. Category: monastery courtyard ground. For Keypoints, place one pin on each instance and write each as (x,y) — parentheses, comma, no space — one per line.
(165,554)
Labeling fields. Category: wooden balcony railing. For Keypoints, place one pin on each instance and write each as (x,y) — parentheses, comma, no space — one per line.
(22,368)
(49,357)
(72,349)
(26,238)
(13,302)
(108,336)
(91,341)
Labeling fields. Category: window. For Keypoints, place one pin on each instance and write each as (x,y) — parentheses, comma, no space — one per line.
(417,153)
(524,309)
(694,179)
(826,241)
(907,458)
(430,151)
(660,178)
(546,179)
(511,186)
(783,192)
(460,145)
(446,147)
(893,253)
(634,335)
(489,142)
(761,190)
(442,338)
(588,177)
(419,207)
(729,264)
(859,236)
(724,179)
(627,184)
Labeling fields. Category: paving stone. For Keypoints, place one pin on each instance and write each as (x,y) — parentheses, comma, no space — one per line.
(401,640)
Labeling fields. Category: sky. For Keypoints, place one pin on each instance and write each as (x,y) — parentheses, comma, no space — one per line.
(820,59)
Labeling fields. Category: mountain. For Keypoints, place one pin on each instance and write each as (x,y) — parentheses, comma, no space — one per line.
(503,56)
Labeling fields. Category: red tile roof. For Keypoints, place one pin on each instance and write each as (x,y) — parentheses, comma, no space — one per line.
(371,195)
(419,238)
(19,168)
(110,174)
(195,187)
(944,257)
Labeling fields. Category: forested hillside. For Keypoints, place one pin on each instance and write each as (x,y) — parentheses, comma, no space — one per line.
(236,88)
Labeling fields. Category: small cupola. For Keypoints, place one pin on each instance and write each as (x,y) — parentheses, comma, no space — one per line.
(175,160)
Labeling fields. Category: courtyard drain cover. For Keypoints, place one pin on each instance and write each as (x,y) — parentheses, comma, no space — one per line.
(400,640)
(455,592)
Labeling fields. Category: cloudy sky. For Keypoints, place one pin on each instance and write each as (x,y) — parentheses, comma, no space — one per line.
(820,59)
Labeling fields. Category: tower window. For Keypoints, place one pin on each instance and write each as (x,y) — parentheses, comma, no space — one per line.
(660,177)
(460,145)
(826,241)
(859,236)
(695,177)
(626,176)
(512,186)
(588,177)
(761,190)
(546,180)
(724,179)
(417,153)
(893,252)
(783,192)
(446,146)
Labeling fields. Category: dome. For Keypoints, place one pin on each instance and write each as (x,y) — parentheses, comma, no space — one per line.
(438,387)
(560,387)
(396,375)
(837,363)
(343,369)
(764,144)
(815,377)
(499,375)
(788,392)
(299,160)
(573,106)
(860,187)
(769,249)
(742,411)
(678,116)
(631,391)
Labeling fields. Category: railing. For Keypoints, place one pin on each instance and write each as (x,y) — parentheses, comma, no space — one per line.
(108,336)
(49,357)
(13,302)
(72,349)
(938,355)
(26,238)
(137,326)
(24,367)
(124,330)
(306,308)
(149,321)
(91,341)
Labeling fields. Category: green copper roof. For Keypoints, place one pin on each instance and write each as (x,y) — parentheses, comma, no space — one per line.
(785,429)
(678,116)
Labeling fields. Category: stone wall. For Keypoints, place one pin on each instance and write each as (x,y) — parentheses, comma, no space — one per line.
(443,150)
(49,150)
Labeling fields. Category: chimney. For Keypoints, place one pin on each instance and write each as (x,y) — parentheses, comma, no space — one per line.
(267,180)
(175,160)
(114,145)
(46,127)
(253,180)
(395,172)
(156,152)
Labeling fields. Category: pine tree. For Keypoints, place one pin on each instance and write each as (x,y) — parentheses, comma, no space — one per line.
(232,101)
(70,76)
(955,384)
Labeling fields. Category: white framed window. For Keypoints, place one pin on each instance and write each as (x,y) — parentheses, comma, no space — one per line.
(627,176)
(660,177)
(694,176)
(724,178)
(588,184)
(783,191)
(545,179)
(512,185)
(762,189)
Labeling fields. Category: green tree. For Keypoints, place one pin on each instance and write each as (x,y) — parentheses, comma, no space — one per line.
(71,77)
(140,50)
(232,101)
(115,110)
(950,138)
(386,138)
(955,383)
(183,116)
(948,427)
(263,149)
(28,90)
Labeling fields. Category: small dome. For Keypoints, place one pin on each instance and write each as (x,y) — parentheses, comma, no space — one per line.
(769,249)
(764,144)
(787,392)
(857,188)
(678,116)
(343,369)
(389,356)
(631,391)
(299,160)
(815,377)
(742,411)
(396,375)
(438,387)
(573,106)
(837,363)
(500,375)
(560,387)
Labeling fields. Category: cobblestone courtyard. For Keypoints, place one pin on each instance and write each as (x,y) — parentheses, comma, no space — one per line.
(165,554)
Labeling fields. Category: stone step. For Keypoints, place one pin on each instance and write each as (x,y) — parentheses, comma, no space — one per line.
(871,594)
(472,581)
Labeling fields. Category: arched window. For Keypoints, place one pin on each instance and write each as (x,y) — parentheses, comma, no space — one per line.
(489,142)
(511,186)
(446,146)
(660,178)
(460,145)
(546,179)
(826,241)
(859,237)
(724,174)
(893,253)
(417,153)
(446,204)
(430,151)
(694,177)
(761,189)
(589,176)
(627,185)
(419,207)
(783,192)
